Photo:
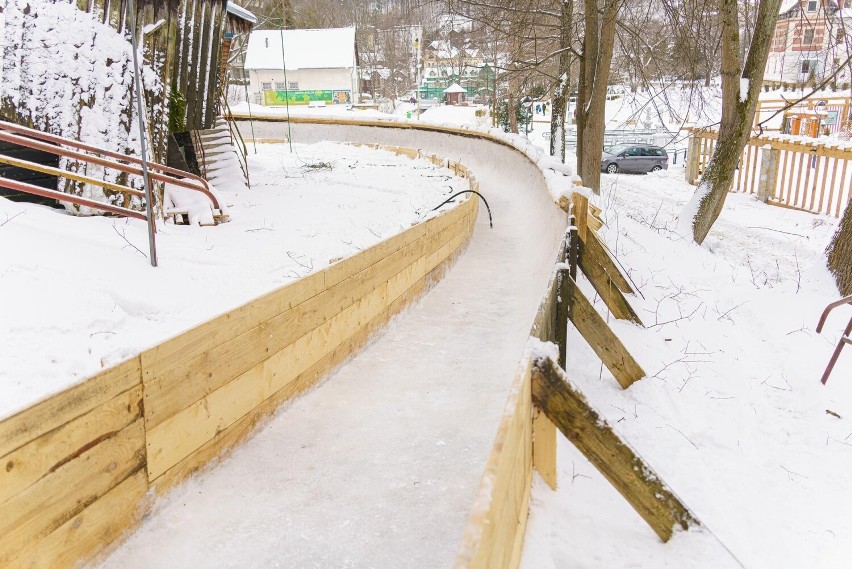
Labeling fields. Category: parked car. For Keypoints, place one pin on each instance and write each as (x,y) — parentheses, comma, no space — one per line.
(634,158)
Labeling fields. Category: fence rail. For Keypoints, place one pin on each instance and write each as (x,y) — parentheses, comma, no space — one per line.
(810,175)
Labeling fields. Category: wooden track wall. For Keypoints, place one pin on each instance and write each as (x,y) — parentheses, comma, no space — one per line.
(75,469)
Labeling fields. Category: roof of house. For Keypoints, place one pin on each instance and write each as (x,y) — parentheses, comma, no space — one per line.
(304,49)
(455,88)
(241,12)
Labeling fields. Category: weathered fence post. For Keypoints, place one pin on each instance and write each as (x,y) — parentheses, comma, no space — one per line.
(768,173)
(692,159)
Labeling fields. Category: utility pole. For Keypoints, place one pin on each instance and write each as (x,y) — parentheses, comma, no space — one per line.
(418,40)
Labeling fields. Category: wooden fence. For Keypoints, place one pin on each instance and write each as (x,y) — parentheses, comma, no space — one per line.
(810,175)
(76,467)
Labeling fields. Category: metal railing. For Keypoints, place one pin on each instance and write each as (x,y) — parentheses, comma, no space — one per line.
(86,153)
(236,139)
(844,339)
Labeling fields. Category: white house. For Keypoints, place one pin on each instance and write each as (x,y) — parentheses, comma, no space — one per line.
(811,42)
(321,65)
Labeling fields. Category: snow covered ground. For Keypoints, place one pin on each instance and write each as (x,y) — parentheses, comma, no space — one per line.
(79,294)
(732,414)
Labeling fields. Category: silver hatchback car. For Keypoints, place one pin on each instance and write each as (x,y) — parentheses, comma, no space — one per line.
(634,158)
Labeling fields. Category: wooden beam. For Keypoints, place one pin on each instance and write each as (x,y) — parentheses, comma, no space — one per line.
(544,448)
(609,292)
(581,214)
(598,252)
(563,404)
(599,336)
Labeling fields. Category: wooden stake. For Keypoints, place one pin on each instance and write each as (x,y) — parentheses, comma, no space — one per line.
(563,404)
(598,254)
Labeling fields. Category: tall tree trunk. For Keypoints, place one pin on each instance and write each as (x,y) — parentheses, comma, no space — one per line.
(839,253)
(598,46)
(559,103)
(737,113)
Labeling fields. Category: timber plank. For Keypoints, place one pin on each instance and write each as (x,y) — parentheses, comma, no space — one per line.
(606,288)
(91,531)
(544,448)
(59,409)
(30,463)
(194,378)
(45,506)
(566,406)
(603,341)
(245,426)
(598,253)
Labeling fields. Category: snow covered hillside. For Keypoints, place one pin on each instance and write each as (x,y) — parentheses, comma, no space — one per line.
(79,294)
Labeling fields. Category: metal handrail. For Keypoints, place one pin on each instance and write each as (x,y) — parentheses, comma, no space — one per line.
(158,172)
(61,196)
(7,135)
(242,151)
(844,339)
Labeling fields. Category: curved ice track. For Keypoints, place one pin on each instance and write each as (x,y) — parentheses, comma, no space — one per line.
(379,465)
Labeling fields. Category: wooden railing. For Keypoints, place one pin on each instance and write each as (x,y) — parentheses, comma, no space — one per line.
(808,174)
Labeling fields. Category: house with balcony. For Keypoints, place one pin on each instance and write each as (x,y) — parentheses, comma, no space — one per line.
(812,41)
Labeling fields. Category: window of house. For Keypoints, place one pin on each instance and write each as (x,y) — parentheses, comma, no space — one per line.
(808,66)
(812,6)
(266,86)
(280,86)
(809,36)
(294,85)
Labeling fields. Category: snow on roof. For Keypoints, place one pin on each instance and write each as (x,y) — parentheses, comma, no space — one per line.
(787,5)
(305,49)
(241,12)
(455,88)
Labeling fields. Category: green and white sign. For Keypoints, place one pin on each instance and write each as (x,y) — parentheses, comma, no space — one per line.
(273,98)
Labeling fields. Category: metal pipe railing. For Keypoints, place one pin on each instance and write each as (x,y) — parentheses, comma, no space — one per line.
(844,339)
(61,196)
(159,169)
(7,135)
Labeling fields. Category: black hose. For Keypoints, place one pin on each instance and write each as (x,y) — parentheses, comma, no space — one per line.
(449,199)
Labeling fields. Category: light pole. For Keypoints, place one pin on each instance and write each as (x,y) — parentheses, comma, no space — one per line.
(417,41)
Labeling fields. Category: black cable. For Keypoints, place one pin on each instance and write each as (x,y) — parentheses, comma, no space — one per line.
(449,199)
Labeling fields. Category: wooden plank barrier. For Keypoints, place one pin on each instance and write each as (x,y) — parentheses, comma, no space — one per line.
(75,468)
(566,406)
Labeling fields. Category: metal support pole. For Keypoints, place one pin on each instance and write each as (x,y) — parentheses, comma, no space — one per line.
(149,195)
(286,89)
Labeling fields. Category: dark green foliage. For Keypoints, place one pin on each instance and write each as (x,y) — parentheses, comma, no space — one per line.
(177,112)
(520,114)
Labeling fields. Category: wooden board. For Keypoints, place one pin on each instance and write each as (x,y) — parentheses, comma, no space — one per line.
(61,408)
(606,288)
(563,403)
(494,534)
(46,505)
(91,531)
(598,254)
(599,336)
(32,462)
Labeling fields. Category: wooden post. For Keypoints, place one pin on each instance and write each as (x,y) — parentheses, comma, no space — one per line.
(599,336)
(692,159)
(581,214)
(768,173)
(544,448)
(598,253)
(611,295)
(563,404)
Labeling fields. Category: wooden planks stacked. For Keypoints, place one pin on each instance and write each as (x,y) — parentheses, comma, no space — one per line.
(206,389)
(73,471)
(494,536)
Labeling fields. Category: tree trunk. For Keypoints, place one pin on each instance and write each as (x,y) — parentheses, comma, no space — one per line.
(839,253)
(559,104)
(597,57)
(737,113)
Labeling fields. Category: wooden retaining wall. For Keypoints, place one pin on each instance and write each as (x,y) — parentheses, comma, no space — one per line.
(76,468)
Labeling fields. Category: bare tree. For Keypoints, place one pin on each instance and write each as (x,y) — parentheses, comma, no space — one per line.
(740,89)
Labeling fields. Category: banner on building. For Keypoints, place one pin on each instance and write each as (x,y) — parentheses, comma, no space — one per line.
(274,98)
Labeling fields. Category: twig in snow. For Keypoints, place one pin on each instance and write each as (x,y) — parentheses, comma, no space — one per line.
(575,475)
(832,413)
(296,260)
(351,244)
(126,240)
(8,219)
(370,229)
(725,314)
(790,473)
(798,272)
(684,436)
(789,387)
(779,231)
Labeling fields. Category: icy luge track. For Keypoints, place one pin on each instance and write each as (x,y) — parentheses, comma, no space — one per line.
(380,465)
